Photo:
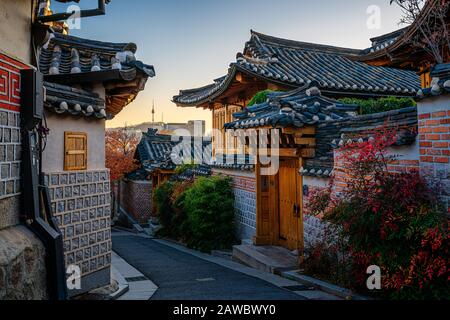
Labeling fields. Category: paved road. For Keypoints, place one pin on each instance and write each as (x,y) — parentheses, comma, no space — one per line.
(181,276)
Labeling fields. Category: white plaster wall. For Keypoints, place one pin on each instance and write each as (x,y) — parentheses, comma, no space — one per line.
(410,152)
(433,104)
(15,28)
(316,182)
(53,156)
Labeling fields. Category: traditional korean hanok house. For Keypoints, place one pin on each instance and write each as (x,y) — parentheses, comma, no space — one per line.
(86,82)
(310,127)
(278,64)
(153,154)
(408,48)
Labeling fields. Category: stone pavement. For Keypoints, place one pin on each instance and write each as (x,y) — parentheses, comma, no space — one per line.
(184,274)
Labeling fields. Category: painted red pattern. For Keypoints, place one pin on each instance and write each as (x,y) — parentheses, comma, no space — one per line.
(10,82)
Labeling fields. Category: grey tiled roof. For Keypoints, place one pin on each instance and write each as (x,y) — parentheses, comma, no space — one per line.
(330,135)
(68,100)
(295,64)
(69,55)
(293,109)
(190,174)
(156,151)
(384,41)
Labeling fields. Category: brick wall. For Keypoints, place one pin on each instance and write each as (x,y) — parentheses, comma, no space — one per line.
(136,199)
(434,141)
(81,202)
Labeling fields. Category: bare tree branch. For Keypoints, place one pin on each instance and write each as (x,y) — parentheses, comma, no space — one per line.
(433,36)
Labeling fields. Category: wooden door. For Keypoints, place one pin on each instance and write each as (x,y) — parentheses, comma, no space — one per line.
(289,203)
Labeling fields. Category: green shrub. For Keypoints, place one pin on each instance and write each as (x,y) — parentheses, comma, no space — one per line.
(162,198)
(371,106)
(210,214)
(259,97)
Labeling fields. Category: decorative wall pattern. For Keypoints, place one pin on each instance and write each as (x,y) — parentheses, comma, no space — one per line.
(10,144)
(245,206)
(81,203)
(10,83)
(10,154)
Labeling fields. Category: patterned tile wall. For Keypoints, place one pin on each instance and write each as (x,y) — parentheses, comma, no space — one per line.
(81,203)
(10,154)
(245,201)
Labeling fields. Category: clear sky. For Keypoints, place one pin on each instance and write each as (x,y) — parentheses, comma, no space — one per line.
(192,42)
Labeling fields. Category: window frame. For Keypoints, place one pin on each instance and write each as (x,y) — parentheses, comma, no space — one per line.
(67,152)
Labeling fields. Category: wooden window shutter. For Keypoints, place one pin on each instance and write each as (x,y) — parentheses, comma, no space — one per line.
(75,151)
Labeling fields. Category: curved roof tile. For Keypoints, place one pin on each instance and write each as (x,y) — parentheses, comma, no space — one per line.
(294,64)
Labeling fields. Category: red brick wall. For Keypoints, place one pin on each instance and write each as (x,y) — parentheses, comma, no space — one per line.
(434,141)
(434,136)
(136,199)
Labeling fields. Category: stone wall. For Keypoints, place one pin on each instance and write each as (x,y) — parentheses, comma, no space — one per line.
(22,265)
(81,202)
(10,154)
(136,199)
(313,227)
(244,186)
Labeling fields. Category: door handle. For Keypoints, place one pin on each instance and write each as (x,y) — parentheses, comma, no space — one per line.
(297,210)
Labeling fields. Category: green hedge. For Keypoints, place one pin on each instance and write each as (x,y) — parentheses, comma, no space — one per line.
(371,106)
(201,213)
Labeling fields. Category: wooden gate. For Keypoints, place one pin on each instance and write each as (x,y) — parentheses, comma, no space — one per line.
(279,214)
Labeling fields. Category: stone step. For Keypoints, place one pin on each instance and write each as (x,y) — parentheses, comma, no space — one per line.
(224,254)
(268,259)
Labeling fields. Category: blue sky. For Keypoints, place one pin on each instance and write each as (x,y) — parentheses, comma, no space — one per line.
(192,42)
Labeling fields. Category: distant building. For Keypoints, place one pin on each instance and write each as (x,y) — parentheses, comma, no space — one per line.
(171,128)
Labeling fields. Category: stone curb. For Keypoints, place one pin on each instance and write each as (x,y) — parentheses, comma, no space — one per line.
(124,286)
(322,285)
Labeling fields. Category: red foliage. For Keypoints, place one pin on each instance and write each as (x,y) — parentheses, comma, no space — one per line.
(120,148)
(391,220)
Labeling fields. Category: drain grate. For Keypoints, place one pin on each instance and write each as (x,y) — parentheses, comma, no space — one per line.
(299,288)
(136,279)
